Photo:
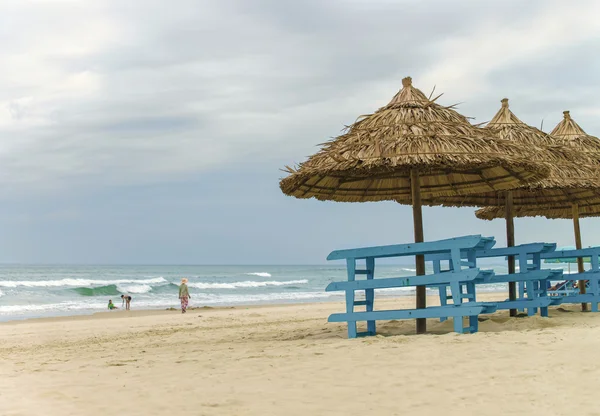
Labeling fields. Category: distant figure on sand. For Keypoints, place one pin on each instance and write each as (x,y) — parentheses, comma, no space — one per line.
(111,305)
(127,301)
(184,294)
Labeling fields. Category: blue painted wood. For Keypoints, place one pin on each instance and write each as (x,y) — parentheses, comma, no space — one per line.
(528,248)
(473,321)
(488,252)
(529,257)
(370,294)
(544,274)
(426,280)
(467,309)
(412,249)
(586,298)
(442,289)
(527,303)
(458,323)
(584,252)
(350,269)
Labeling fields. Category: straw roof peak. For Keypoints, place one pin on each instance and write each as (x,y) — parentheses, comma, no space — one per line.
(568,128)
(504,116)
(409,95)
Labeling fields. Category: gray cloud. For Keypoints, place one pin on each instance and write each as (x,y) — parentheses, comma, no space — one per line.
(134,89)
(136,127)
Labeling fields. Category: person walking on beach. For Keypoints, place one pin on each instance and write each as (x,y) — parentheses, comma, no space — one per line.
(184,294)
(127,301)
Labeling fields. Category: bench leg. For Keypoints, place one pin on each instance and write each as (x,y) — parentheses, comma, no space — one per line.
(458,324)
(594,290)
(544,312)
(370,298)
(443,291)
(471,291)
(530,295)
(455,288)
(474,323)
(351,329)
(350,309)
(521,295)
(370,294)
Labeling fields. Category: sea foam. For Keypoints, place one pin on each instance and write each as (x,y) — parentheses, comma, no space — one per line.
(246,284)
(259,274)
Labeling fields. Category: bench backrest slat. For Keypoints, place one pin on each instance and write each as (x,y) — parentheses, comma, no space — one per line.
(411,249)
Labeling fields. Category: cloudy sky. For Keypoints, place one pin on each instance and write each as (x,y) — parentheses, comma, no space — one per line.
(153,131)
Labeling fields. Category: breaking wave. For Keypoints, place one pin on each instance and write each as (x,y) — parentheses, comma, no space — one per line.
(108,290)
(78,283)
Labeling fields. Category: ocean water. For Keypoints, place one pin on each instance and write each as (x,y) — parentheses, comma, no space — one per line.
(41,291)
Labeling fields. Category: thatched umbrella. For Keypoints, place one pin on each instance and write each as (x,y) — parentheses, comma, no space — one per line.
(571,178)
(409,149)
(580,185)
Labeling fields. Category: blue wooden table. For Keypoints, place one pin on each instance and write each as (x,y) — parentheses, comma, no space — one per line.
(461,278)
(530,275)
(591,277)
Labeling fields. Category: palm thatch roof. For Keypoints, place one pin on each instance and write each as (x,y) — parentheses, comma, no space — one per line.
(573,176)
(585,192)
(373,158)
(549,211)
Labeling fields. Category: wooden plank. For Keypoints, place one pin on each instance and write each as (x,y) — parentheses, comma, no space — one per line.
(530,249)
(584,252)
(430,279)
(543,274)
(370,294)
(410,249)
(586,298)
(467,309)
(526,303)
(350,296)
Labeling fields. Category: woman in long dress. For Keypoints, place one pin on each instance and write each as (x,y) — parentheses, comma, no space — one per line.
(184,294)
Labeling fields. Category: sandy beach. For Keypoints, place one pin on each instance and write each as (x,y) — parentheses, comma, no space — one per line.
(287,360)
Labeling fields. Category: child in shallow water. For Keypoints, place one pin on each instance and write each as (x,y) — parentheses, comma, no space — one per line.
(111,305)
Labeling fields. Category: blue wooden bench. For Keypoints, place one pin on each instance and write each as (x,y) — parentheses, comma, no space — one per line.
(530,275)
(592,277)
(458,279)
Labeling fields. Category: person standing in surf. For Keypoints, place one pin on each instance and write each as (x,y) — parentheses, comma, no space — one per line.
(184,294)
(127,301)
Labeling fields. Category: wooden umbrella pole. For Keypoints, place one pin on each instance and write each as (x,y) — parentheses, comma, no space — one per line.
(580,268)
(510,242)
(415,187)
